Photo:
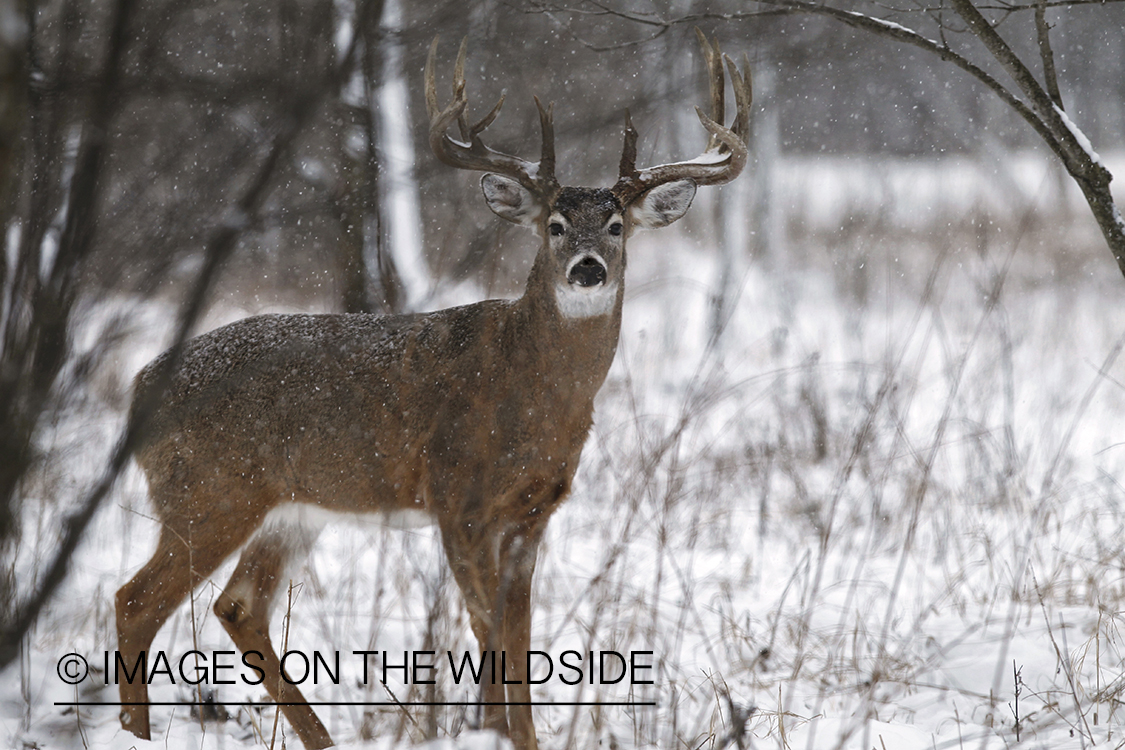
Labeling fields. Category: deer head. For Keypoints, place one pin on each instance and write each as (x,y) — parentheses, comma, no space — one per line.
(581,262)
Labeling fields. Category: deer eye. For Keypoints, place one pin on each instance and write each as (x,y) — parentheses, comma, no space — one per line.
(555,228)
(615,228)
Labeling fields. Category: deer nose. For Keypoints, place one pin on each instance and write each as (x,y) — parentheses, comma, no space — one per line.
(588,271)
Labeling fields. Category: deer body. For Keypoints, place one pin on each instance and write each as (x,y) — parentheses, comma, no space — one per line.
(474,416)
(355,412)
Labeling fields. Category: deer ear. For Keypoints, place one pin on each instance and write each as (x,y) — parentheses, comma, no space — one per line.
(662,205)
(510,200)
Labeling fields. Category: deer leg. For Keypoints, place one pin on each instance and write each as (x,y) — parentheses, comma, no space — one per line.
(472,557)
(244,607)
(518,550)
(518,567)
(146,602)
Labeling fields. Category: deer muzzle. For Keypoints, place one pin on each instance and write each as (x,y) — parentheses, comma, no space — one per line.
(587,271)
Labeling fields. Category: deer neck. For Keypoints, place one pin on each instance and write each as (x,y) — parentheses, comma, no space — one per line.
(576,349)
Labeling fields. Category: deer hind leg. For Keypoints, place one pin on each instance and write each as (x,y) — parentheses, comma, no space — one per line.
(244,605)
(146,602)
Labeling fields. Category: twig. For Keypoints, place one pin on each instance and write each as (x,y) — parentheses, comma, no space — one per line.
(1043,31)
(1063,656)
(280,673)
(1017,678)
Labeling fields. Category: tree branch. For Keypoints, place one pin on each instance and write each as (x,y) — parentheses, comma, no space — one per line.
(1043,31)
(35,339)
(1068,143)
(900,33)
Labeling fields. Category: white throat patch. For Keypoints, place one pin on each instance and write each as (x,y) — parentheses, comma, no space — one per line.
(585,301)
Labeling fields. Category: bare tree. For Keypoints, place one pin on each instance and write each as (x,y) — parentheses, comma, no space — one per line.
(69,211)
(13,107)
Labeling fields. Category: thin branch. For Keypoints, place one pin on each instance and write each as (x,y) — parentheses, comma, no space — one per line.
(649,19)
(1002,7)
(35,341)
(652,19)
(1050,4)
(662,25)
(870,24)
(1068,143)
(1043,31)
(902,34)
(594,46)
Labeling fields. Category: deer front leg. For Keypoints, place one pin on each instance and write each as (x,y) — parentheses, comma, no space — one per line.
(472,557)
(518,567)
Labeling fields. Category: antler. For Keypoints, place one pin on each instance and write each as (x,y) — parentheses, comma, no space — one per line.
(470,152)
(725,155)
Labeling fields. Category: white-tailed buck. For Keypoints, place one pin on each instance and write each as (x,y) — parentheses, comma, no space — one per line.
(475,415)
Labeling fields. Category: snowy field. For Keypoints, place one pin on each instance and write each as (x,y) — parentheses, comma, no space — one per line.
(882,508)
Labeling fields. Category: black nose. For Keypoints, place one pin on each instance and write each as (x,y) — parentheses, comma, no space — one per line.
(587,272)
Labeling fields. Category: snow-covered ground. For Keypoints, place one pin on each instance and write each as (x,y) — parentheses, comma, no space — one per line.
(884,501)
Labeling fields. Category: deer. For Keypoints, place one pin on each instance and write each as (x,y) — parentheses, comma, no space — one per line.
(473,416)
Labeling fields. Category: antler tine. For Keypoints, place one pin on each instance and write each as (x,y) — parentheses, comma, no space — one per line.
(743,95)
(459,67)
(725,154)
(459,89)
(431,87)
(470,152)
(628,166)
(547,129)
(713,59)
(485,121)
